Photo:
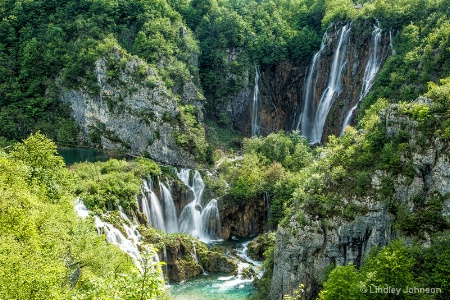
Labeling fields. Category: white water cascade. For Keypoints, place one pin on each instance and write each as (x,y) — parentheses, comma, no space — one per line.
(199,222)
(307,115)
(313,121)
(211,225)
(255,106)
(372,67)
(391,45)
(170,213)
(156,214)
(114,236)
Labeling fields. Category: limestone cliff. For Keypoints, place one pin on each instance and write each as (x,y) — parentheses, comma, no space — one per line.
(305,247)
(127,107)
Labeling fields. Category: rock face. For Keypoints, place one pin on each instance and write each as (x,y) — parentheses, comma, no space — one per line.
(303,250)
(259,245)
(244,219)
(128,108)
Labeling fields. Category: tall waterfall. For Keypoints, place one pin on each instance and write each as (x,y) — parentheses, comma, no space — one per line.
(313,120)
(156,215)
(371,70)
(255,106)
(391,45)
(161,213)
(200,223)
(307,115)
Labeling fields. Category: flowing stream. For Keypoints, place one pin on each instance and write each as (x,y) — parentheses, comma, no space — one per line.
(221,286)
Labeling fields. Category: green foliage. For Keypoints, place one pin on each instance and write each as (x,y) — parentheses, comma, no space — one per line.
(342,284)
(42,40)
(338,10)
(47,252)
(422,49)
(192,134)
(392,266)
(46,168)
(236,36)
(106,185)
(136,286)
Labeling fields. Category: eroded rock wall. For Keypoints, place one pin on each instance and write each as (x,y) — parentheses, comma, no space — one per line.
(128,108)
(304,249)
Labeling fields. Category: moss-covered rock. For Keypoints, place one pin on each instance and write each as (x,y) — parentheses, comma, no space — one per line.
(218,262)
(185,256)
(260,244)
(183,269)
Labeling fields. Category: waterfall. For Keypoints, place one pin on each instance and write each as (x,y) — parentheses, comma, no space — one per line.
(312,118)
(371,70)
(306,117)
(200,223)
(255,106)
(183,175)
(165,260)
(156,214)
(113,235)
(195,252)
(211,225)
(81,209)
(190,220)
(391,45)
(170,213)
(334,87)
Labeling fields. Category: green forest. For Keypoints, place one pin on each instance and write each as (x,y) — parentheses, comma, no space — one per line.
(48,46)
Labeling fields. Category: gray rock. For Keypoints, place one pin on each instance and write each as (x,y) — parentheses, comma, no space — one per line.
(130,115)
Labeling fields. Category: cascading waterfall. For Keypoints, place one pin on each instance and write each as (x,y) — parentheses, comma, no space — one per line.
(313,119)
(371,70)
(334,87)
(211,224)
(306,117)
(114,236)
(255,106)
(156,214)
(170,213)
(200,223)
(391,45)
(190,220)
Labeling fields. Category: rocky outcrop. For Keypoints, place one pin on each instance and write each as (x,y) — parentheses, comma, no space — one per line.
(128,108)
(186,257)
(244,219)
(305,247)
(217,262)
(259,245)
(303,252)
